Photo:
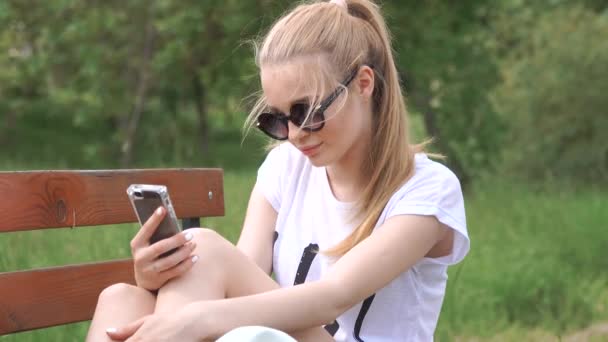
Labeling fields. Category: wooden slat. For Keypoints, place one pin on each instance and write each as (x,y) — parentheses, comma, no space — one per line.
(60,295)
(53,199)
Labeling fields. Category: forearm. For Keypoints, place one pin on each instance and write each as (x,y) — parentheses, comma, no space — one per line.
(288,309)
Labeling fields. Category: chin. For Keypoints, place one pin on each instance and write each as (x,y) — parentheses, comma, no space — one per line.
(318,160)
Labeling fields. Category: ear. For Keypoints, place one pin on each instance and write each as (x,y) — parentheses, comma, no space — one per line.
(365,82)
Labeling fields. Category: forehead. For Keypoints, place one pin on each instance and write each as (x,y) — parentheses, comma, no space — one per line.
(286,83)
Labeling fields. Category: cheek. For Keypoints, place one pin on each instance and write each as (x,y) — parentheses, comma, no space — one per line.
(344,128)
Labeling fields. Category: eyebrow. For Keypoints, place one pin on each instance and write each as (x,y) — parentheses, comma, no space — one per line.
(300,100)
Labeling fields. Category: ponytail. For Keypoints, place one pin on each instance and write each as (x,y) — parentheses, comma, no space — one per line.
(349,39)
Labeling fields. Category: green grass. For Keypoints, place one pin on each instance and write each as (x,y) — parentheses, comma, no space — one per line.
(538,262)
(537,267)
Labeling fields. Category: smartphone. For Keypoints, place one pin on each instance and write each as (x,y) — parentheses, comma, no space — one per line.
(146,198)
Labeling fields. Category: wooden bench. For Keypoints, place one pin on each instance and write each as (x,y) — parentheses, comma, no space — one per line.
(33,299)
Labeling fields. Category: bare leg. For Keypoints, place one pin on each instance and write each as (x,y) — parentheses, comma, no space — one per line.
(222,271)
(119,305)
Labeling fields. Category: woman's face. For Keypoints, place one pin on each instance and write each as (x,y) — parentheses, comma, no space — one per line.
(347,130)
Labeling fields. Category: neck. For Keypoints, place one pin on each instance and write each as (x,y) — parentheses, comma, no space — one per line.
(346,176)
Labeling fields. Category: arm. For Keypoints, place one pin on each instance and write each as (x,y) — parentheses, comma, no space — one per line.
(397,246)
(257,233)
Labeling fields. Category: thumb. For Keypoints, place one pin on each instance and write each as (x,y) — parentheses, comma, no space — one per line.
(123,333)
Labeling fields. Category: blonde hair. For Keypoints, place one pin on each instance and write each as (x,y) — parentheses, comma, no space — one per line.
(348,38)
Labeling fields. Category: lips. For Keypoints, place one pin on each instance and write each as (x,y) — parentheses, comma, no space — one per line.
(310,150)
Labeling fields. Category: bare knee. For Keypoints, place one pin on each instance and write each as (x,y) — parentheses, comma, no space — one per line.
(207,277)
(121,291)
(215,254)
(118,305)
(210,243)
(205,235)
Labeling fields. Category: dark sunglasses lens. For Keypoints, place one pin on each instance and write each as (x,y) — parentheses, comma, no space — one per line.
(272,125)
(298,114)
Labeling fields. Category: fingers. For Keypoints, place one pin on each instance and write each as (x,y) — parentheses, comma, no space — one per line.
(123,333)
(166,245)
(144,234)
(151,270)
(178,256)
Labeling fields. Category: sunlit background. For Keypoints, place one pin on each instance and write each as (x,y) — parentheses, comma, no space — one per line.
(514,92)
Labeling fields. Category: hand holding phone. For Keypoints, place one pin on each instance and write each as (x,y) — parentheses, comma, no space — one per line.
(160,251)
(145,199)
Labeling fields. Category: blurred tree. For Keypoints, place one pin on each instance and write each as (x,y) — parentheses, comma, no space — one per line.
(554,66)
(447,71)
(118,83)
(80,69)
(201,53)
(115,69)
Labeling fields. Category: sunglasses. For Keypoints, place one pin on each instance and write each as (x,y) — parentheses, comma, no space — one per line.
(275,125)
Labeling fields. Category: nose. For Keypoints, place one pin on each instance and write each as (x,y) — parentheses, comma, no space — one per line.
(296,133)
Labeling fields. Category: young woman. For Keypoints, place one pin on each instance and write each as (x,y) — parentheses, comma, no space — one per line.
(346,209)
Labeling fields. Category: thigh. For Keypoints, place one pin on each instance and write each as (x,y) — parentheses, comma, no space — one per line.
(117,306)
(222,271)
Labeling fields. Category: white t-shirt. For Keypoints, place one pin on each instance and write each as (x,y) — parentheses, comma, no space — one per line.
(310,218)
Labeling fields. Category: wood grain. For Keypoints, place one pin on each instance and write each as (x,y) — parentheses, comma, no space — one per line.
(60,295)
(54,199)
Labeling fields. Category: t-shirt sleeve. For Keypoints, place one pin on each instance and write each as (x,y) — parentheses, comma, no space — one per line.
(270,176)
(435,191)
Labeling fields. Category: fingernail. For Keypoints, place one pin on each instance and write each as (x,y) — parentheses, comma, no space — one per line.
(111,330)
(188,236)
(159,211)
(194,259)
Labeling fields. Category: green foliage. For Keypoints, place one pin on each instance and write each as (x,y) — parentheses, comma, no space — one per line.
(484,77)
(447,70)
(170,65)
(554,94)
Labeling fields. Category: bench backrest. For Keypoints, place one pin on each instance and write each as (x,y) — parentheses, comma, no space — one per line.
(56,199)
